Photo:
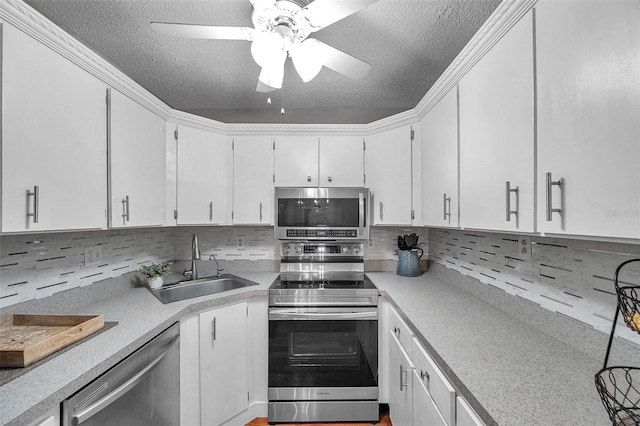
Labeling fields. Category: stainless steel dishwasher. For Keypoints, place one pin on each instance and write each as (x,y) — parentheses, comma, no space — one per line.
(143,389)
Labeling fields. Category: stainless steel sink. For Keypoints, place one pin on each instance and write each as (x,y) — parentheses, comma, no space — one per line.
(201,287)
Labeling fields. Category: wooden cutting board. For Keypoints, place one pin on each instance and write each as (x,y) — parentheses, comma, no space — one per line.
(25,339)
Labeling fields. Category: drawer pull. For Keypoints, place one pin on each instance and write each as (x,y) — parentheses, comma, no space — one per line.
(424,375)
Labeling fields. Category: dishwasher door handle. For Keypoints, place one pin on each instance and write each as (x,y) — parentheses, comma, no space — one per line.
(104,402)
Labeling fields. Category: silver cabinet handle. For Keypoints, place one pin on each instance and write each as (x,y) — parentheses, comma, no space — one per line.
(424,375)
(260,212)
(403,383)
(125,209)
(308,178)
(360,213)
(119,391)
(446,200)
(550,184)
(213,328)
(36,203)
(509,190)
(211,211)
(330,179)
(381,211)
(396,331)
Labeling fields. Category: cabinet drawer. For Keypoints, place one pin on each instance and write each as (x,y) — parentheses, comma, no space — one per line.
(425,411)
(400,329)
(439,388)
(466,415)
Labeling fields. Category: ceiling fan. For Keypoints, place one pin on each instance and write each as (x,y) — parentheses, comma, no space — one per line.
(281,28)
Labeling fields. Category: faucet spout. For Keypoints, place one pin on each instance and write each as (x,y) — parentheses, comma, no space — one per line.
(195,255)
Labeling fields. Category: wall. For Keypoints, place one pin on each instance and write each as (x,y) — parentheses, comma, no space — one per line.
(571,277)
(35,266)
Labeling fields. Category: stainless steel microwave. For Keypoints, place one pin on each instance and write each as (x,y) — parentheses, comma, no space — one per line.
(322,213)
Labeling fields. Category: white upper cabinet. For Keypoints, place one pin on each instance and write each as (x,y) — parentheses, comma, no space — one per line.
(137,164)
(588,102)
(204,177)
(497,135)
(439,161)
(341,161)
(296,161)
(54,140)
(252,180)
(388,175)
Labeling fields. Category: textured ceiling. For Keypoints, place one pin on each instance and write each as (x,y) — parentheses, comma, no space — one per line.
(409,43)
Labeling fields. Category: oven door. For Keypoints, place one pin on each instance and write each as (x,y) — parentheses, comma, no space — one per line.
(323,354)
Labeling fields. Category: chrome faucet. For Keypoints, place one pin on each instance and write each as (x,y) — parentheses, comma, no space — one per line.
(195,255)
(218,268)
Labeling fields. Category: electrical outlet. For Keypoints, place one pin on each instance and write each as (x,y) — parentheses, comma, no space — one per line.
(524,247)
(240,243)
(92,255)
(370,242)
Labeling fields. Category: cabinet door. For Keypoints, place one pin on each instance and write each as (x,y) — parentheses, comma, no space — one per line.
(204,160)
(296,161)
(341,161)
(587,56)
(137,164)
(224,388)
(497,135)
(252,180)
(439,160)
(53,138)
(388,174)
(465,416)
(400,384)
(424,409)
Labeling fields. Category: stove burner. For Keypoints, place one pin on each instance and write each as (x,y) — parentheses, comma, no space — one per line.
(343,283)
(298,284)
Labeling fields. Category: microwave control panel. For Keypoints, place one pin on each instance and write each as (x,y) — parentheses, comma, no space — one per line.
(320,249)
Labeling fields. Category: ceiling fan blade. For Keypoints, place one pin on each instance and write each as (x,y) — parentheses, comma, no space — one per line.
(263,4)
(264,88)
(203,31)
(321,13)
(342,62)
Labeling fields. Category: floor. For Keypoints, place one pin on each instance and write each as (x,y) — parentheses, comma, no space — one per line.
(384,421)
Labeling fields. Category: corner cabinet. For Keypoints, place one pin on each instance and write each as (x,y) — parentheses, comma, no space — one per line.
(204,177)
(588,103)
(137,164)
(252,180)
(54,168)
(388,171)
(439,161)
(497,135)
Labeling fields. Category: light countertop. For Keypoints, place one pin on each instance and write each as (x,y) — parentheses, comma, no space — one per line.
(519,374)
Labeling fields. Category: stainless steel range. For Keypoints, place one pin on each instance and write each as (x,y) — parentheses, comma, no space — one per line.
(323,335)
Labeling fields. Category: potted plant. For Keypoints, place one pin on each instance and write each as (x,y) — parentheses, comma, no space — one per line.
(155,273)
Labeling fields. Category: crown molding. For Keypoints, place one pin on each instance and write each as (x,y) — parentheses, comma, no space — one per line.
(22,16)
(506,15)
(30,21)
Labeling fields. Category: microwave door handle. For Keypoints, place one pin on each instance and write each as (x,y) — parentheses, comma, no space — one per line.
(292,315)
(360,213)
(120,390)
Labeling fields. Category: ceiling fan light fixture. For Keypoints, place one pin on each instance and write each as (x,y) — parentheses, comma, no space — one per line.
(306,57)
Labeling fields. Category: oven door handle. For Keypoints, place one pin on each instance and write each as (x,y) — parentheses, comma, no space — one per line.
(297,315)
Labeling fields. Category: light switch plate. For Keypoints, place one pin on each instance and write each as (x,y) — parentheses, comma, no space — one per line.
(524,247)
(92,255)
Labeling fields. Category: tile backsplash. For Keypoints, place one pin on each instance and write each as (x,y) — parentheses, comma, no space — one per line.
(35,266)
(571,277)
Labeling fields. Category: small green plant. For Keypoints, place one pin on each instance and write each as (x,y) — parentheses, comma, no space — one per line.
(155,269)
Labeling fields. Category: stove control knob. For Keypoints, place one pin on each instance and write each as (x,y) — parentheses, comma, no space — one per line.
(286,250)
(356,249)
(345,249)
(298,248)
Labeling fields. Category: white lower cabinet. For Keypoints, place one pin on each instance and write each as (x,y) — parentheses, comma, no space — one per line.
(400,383)
(50,418)
(425,411)
(224,363)
(465,416)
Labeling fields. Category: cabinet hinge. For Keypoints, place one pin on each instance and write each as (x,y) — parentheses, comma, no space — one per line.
(247,310)
(413,134)
(274,145)
(274,178)
(413,214)
(248,399)
(175,214)
(231,214)
(365,178)
(233,144)
(364,145)
(175,134)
